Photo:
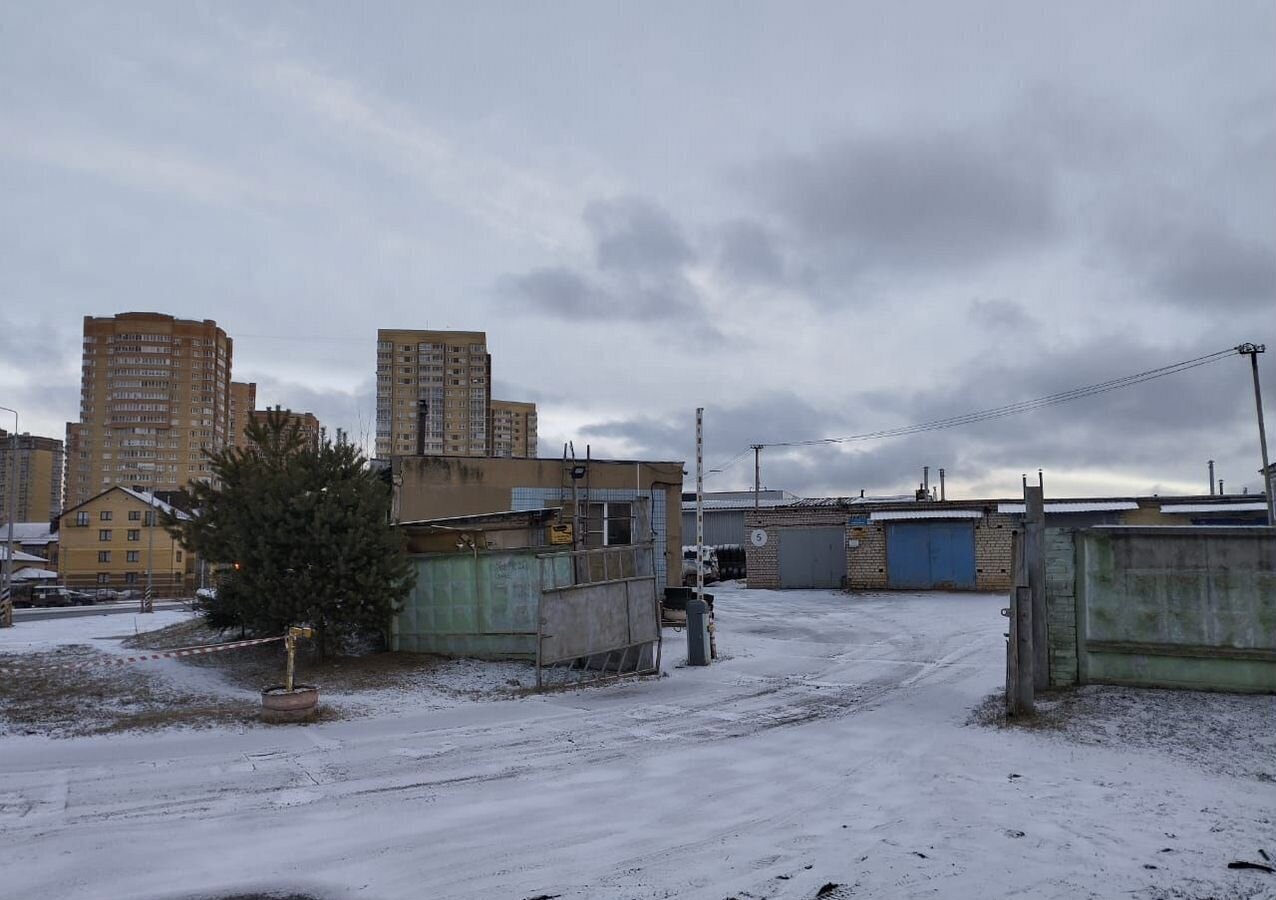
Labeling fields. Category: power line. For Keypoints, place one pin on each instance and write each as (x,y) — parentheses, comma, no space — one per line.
(1010,409)
(1021,407)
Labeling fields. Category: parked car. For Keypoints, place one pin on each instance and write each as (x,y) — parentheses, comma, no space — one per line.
(709,564)
(59,595)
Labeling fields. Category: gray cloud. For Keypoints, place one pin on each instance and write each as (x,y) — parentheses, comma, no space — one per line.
(640,254)
(1217,268)
(1187,253)
(1000,315)
(920,201)
(559,291)
(632,235)
(747,252)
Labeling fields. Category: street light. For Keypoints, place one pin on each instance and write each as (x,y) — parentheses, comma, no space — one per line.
(6,604)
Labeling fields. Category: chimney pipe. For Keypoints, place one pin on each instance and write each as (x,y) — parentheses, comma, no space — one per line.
(1211,478)
(926,479)
(942,495)
(1220,487)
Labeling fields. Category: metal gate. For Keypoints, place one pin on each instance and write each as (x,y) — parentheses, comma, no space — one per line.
(812,557)
(599,615)
(930,555)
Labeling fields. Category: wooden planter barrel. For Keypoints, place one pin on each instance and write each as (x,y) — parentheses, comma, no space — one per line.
(280,705)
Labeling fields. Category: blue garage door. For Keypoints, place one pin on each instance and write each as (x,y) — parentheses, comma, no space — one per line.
(930,555)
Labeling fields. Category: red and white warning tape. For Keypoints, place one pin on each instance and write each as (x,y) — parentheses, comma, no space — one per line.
(146,657)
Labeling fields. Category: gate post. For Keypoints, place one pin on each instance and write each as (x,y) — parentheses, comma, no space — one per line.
(1034,542)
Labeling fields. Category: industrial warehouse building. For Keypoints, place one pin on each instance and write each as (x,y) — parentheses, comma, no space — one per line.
(860,544)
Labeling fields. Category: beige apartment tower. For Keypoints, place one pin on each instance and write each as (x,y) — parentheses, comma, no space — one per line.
(434,393)
(154,400)
(243,401)
(307,425)
(513,429)
(39,477)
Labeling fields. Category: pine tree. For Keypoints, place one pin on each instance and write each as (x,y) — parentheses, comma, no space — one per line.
(303,537)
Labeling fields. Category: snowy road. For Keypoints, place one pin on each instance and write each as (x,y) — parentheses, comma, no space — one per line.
(828,747)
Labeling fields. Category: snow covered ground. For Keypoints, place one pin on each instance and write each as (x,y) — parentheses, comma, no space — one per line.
(829,753)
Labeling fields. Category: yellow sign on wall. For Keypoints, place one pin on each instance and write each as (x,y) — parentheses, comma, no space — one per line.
(560,534)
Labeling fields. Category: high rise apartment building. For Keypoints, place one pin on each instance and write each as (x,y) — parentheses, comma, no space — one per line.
(154,399)
(39,474)
(513,429)
(243,401)
(307,425)
(434,393)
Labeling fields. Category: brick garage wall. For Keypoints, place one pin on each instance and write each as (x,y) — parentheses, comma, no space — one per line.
(866,564)
(764,562)
(1061,605)
(994,538)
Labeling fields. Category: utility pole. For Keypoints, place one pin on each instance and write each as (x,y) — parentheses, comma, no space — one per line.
(757,473)
(1252,351)
(6,604)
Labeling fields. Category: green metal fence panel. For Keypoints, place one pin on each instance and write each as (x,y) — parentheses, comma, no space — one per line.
(465,604)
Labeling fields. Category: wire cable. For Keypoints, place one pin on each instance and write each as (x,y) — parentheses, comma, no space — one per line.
(1021,407)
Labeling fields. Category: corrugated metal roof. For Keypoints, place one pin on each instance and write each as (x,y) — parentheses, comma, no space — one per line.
(708,505)
(1079,506)
(1187,508)
(891,514)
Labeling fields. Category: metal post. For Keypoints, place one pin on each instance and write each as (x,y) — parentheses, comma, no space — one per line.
(1034,546)
(713,652)
(148,602)
(290,644)
(757,473)
(1252,351)
(6,607)
(943,495)
(1211,478)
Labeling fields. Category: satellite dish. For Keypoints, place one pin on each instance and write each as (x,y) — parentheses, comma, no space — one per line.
(758,537)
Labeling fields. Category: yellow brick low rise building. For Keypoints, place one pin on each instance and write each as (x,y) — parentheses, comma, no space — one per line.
(116,539)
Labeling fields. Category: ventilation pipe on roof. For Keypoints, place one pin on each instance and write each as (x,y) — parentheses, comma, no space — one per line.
(1220,487)
(1211,478)
(926,479)
(942,495)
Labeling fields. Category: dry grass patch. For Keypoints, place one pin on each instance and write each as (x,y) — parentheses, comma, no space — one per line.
(101,698)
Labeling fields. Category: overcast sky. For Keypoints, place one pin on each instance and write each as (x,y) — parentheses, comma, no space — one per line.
(813,220)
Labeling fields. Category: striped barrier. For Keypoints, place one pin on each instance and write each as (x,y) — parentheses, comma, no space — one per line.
(145,657)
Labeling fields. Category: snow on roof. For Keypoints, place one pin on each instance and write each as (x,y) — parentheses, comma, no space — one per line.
(893,514)
(1188,508)
(821,502)
(152,500)
(31,573)
(19,556)
(1077,506)
(29,533)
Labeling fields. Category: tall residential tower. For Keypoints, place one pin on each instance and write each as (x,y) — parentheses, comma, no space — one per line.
(434,393)
(39,477)
(154,397)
